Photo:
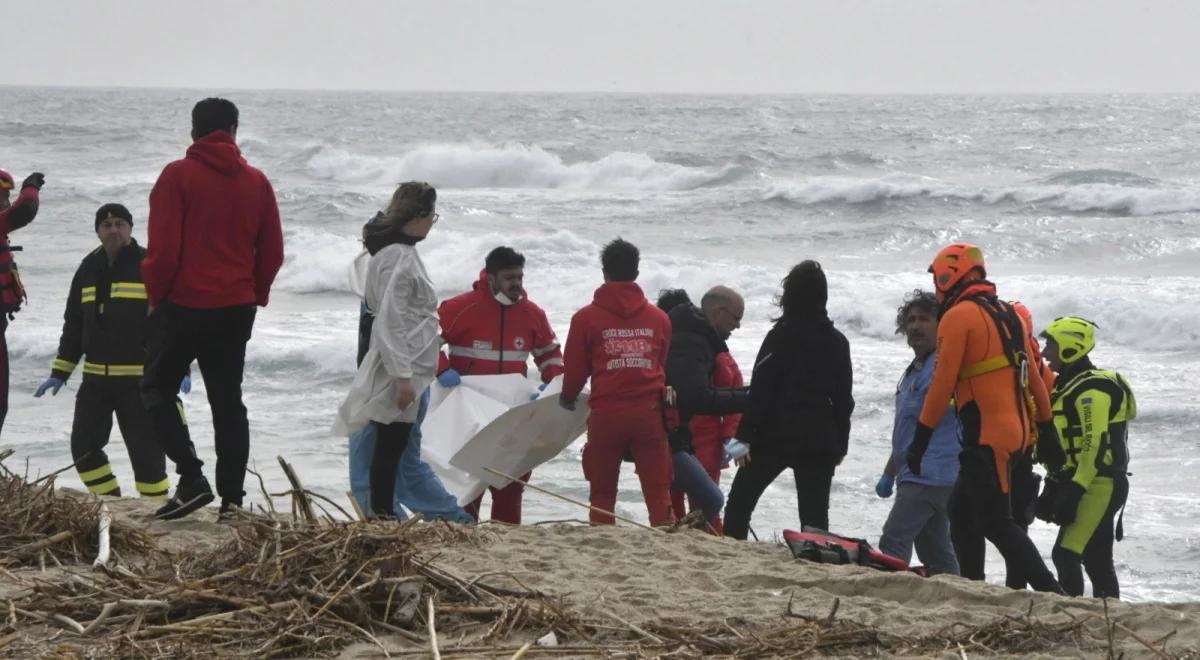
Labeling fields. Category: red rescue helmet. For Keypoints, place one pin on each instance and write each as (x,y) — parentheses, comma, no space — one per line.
(953,264)
(1023,311)
(1027,318)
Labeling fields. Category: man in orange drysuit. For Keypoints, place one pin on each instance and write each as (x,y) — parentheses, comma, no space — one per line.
(982,361)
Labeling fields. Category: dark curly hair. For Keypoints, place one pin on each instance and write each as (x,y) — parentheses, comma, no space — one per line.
(669,299)
(918,299)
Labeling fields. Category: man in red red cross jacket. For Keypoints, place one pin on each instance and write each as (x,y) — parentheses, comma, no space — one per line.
(494,329)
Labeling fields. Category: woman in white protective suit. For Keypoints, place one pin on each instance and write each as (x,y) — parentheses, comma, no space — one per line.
(403,355)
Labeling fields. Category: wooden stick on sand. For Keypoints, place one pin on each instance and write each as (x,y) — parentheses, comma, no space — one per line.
(298,491)
(433,643)
(572,501)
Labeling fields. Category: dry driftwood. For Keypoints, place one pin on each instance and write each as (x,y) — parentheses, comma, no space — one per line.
(290,587)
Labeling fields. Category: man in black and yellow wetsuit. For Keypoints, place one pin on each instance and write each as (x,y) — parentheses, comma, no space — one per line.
(106,325)
(1091,410)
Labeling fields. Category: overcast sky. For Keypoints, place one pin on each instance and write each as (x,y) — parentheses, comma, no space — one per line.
(811,46)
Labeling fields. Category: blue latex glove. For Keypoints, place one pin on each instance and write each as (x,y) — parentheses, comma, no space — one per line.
(53,384)
(541,388)
(735,448)
(449,378)
(885,486)
(566,405)
(185,385)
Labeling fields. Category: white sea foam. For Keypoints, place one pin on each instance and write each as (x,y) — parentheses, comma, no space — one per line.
(513,165)
(317,260)
(1108,198)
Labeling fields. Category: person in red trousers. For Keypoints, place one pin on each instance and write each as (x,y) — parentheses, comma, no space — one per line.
(620,341)
(708,432)
(494,329)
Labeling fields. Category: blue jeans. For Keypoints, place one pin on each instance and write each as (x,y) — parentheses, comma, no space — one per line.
(693,479)
(920,515)
(417,488)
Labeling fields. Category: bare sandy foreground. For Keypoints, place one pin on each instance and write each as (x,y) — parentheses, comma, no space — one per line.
(648,581)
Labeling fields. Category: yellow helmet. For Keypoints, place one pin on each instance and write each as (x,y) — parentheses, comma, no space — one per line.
(1075,337)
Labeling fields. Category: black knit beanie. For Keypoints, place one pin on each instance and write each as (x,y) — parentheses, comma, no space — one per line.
(112,211)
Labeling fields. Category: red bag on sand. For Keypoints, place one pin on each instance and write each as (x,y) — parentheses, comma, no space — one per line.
(826,548)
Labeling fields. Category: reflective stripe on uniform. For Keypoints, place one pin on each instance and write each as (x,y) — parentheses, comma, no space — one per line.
(104,487)
(158,489)
(129,290)
(92,475)
(93,369)
(488,354)
(539,352)
(100,481)
(62,365)
(553,362)
(983,367)
(88,294)
(182,416)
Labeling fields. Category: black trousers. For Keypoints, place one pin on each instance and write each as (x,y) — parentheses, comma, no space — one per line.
(96,402)
(1023,488)
(390,442)
(3,371)
(1097,558)
(813,475)
(216,340)
(979,510)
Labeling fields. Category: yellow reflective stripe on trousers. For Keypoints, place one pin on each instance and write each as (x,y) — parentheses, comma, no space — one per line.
(62,365)
(93,369)
(983,367)
(88,294)
(92,475)
(100,481)
(104,487)
(182,416)
(129,290)
(153,490)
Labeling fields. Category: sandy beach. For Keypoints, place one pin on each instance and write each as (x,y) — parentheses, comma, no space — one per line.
(606,592)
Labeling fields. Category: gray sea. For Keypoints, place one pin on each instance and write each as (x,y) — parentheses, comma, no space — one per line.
(1083,205)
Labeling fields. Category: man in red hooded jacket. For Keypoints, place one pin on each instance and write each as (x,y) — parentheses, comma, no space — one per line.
(13,216)
(620,341)
(215,246)
(494,329)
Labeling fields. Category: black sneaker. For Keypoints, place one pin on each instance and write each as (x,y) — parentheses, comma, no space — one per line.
(189,496)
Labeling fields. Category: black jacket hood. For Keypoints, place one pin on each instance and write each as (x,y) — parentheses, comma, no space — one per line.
(690,318)
(378,233)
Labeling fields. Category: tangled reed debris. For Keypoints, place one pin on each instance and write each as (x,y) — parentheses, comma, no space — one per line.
(309,587)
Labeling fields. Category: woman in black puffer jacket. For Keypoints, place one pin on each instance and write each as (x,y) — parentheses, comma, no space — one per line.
(800,405)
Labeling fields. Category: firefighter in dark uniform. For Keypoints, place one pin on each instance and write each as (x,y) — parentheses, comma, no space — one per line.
(106,326)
